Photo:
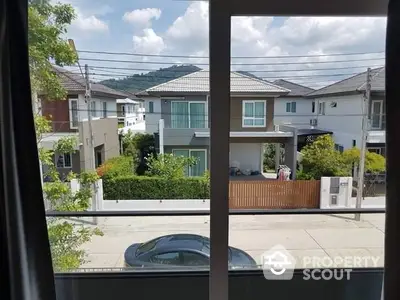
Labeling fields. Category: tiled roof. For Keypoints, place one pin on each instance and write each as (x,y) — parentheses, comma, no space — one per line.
(75,83)
(355,83)
(295,89)
(199,82)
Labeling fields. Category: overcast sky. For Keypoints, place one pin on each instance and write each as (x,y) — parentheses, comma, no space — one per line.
(181,28)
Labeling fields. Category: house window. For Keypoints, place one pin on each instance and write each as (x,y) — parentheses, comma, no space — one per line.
(151,107)
(188,114)
(201,156)
(64,160)
(313,107)
(104,109)
(321,108)
(93,108)
(254,113)
(73,113)
(291,107)
(339,148)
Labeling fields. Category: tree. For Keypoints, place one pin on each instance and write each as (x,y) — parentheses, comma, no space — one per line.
(374,163)
(140,146)
(269,156)
(47,23)
(169,166)
(321,159)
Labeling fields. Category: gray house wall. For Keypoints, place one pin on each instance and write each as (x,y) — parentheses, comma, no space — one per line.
(105,132)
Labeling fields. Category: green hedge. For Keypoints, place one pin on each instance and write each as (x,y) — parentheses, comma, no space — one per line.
(141,187)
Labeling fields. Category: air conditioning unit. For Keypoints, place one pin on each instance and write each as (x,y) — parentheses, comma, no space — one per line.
(313,122)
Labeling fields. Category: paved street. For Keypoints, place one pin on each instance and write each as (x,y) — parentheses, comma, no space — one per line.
(302,235)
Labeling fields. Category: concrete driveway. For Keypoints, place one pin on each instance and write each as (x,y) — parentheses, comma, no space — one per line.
(317,236)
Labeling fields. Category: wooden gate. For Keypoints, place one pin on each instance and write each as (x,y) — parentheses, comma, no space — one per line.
(269,194)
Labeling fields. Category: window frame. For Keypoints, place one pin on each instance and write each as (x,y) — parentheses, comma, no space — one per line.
(57,155)
(71,121)
(264,118)
(193,149)
(321,108)
(104,106)
(380,114)
(93,107)
(151,107)
(189,102)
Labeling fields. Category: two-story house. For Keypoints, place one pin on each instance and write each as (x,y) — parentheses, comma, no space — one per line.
(70,118)
(183,105)
(294,108)
(340,110)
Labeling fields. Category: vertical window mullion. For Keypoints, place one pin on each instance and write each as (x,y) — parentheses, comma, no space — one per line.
(219,82)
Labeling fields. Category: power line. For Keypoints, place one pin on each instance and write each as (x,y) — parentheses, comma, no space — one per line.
(245,57)
(143,77)
(250,71)
(235,64)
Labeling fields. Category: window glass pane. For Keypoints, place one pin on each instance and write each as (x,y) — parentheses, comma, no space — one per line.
(67,160)
(60,161)
(197,115)
(194,259)
(93,108)
(184,153)
(259,122)
(104,109)
(313,107)
(248,122)
(248,109)
(74,113)
(179,114)
(169,258)
(293,107)
(288,107)
(259,109)
(151,107)
(200,167)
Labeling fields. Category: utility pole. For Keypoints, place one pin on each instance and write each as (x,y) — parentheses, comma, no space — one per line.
(88,100)
(365,128)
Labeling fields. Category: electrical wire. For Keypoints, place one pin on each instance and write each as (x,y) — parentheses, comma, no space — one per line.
(234,64)
(244,57)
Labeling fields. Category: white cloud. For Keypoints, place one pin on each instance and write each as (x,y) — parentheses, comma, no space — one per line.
(149,42)
(90,23)
(142,17)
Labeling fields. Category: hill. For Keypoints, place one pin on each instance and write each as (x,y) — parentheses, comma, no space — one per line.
(139,82)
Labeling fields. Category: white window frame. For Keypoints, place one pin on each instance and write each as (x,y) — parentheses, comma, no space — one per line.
(254,118)
(71,122)
(321,108)
(205,112)
(379,149)
(380,114)
(191,149)
(93,108)
(63,154)
(104,111)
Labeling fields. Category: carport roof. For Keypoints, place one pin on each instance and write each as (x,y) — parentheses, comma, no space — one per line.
(312,131)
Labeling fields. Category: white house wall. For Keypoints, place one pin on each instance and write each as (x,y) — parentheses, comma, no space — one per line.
(152,118)
(344,120)
(302,115)
(111,107)
(248,155)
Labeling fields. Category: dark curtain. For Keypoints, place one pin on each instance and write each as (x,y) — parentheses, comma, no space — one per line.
(25,256)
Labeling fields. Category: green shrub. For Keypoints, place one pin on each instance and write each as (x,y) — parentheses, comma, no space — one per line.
(116,166)
(141,187)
